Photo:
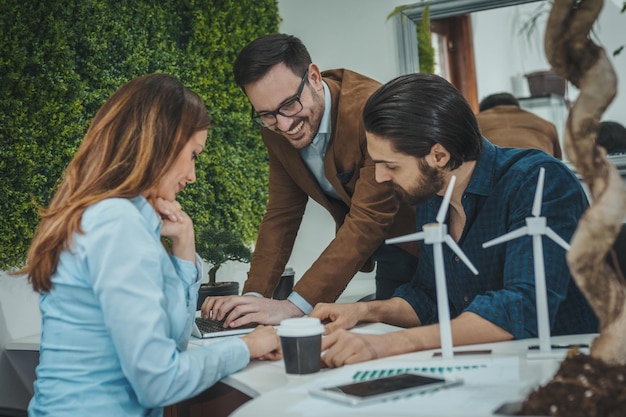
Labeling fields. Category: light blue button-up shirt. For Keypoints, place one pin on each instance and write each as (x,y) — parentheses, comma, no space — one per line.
(116,324)
(313,155)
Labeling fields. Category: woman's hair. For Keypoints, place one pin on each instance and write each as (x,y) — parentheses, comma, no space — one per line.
(414,112)
(262,54)
(131,143)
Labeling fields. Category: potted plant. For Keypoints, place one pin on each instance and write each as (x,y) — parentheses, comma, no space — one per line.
(425,49)
(546,82)
(215,247)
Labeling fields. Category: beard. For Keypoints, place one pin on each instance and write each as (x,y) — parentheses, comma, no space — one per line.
(429,184)
(312,122)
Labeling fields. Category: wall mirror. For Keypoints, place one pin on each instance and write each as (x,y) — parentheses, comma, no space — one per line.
(412,14)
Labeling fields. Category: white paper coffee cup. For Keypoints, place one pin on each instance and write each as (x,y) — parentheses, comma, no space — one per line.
(301,341)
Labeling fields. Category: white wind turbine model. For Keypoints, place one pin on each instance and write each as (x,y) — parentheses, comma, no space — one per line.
(435,234)
(536,227)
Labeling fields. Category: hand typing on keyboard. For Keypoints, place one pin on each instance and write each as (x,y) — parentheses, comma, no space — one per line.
(239,310)
(211,326)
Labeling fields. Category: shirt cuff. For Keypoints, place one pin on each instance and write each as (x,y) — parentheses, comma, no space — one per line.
(191,275)
(188,271)
(295,298)
(254,294)
(300,302)
(423,305)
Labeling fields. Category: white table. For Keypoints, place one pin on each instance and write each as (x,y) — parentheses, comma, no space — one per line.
(506,375)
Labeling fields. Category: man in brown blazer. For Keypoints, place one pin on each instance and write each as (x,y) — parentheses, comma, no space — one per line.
(504,123)
(313,130)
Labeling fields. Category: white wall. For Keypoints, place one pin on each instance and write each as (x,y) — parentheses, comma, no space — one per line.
(352,34)
(356,34)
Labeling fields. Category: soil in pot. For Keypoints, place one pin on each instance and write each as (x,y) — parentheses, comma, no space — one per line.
(582,387)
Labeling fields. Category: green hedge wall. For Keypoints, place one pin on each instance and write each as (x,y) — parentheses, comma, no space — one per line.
(59,61)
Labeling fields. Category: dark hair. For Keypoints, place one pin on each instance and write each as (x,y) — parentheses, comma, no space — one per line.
(260,55)
(416,111)
(612,136)
(499,99)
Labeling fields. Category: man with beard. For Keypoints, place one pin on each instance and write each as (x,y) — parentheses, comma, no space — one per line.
(312,128)
(421,132)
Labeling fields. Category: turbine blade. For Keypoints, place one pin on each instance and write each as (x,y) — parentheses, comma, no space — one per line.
(406,238)
(507,236)
(557,239)
(456,249)
(443,209)
(539,193)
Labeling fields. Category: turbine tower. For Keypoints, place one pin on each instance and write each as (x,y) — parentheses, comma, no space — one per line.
(435,234)
(536,227)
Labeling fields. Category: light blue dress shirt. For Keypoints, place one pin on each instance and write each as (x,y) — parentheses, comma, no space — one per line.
(313,155)
(116,324)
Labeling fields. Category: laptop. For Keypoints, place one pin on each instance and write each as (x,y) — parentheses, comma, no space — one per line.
(208,328)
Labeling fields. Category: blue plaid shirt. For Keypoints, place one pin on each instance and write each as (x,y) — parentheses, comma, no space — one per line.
(497,200)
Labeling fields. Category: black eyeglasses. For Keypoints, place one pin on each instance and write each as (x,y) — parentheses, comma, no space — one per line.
(289,109)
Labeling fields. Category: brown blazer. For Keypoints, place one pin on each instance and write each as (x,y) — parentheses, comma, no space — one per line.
(366,216)
(511,127)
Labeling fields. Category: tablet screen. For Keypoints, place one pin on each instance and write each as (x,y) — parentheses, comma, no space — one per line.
(384,385)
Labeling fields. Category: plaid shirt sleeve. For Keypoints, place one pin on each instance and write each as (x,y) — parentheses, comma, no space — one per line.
(498,200)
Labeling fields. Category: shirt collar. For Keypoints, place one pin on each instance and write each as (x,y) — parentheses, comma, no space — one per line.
(481,181)
(320,141)
(325,123)
(148,212)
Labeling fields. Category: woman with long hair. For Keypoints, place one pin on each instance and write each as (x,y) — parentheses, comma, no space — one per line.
(118,303)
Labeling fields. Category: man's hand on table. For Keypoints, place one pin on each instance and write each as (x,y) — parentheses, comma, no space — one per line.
(338,316)
(239,310)
(343,347)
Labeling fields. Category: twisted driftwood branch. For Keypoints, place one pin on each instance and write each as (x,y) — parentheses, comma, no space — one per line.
(576,57)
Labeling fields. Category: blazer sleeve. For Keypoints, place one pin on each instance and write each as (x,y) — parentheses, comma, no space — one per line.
(372,213)
(277,232)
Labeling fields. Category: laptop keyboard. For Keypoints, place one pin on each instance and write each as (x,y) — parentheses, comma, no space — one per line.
(209,326)
(212,326)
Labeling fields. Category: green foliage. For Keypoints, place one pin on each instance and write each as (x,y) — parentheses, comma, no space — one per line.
(59,62)
(425,50)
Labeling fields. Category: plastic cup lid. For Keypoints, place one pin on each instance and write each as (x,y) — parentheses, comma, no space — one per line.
(300,326)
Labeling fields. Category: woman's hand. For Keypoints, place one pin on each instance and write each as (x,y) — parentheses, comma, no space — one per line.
(178,227)
(263,343)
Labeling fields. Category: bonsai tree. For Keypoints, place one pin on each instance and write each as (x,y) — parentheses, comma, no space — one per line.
(216,246)
(589,385)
